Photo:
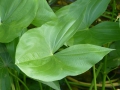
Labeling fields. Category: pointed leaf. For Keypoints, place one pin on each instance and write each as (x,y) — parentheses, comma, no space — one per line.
(15,15)
(72,61)
(38,58)
(44,14)
(94,9)
(47,44)
(100,34)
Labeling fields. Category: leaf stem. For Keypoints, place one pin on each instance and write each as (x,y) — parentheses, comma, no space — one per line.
(40,84)
(68,84)
(113,10)
(111,82)
(98,70)
(104,73)
(94,74)
(17,82)
(18,79)
(74,81)
(24,78)
(104,79)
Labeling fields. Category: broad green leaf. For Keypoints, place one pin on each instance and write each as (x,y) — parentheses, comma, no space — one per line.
(44,14)
(36,53)
(15,15)
(44,41)
(5,63)
(100,34)
(71,61)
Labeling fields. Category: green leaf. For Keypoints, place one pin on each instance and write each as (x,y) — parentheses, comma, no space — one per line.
(44,14)
(100,34)
(93,10)
(36,53)
(15,15)
(5,63)
(41,64)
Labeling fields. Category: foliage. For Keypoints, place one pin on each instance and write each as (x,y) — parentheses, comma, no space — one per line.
(46,46)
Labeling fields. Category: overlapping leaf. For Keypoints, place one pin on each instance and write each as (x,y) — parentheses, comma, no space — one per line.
(36,52)
(100,34)
(44,14)
(93,10)
(72,61)
(15,15)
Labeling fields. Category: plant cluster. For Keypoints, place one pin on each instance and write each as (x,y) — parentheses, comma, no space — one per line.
(40,45)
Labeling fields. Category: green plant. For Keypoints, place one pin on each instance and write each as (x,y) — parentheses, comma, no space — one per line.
(48,46)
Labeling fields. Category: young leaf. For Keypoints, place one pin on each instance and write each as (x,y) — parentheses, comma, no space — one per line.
(44,14)
(15,15)
(100,34)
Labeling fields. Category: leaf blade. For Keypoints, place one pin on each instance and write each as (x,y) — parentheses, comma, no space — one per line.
(15,16)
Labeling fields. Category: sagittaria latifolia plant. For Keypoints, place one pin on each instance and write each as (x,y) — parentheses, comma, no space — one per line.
(38,52)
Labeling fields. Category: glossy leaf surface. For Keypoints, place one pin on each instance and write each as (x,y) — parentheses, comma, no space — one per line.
(49,38)
(38,60)
(15,15)
(37,51)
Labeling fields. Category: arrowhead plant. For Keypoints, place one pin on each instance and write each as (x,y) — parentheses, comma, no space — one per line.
(39,51)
